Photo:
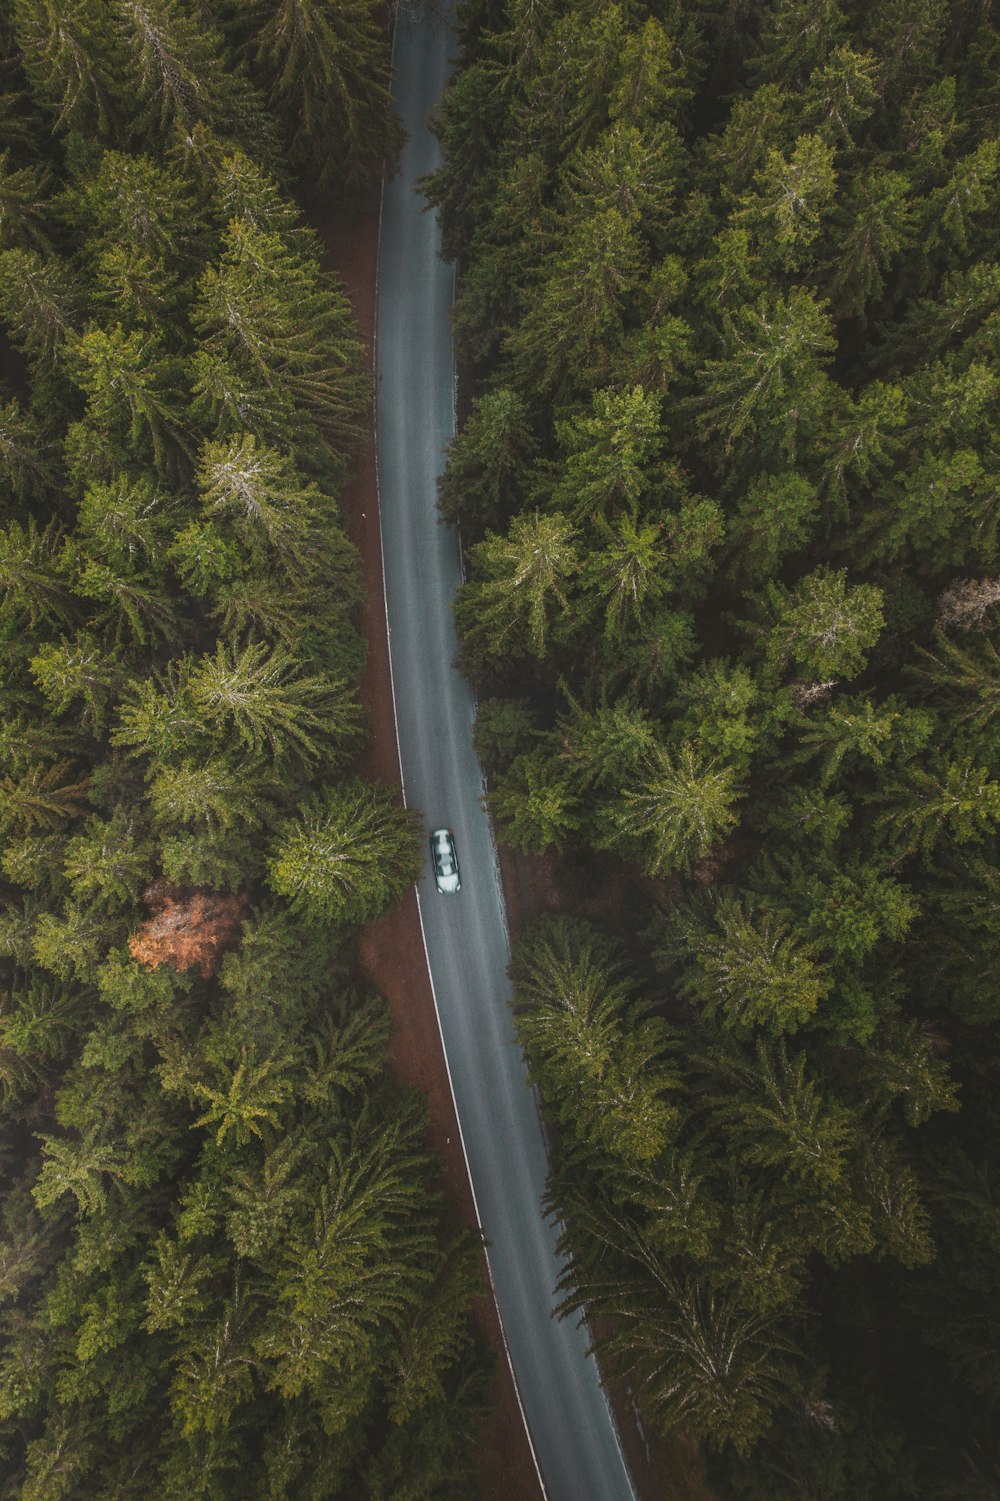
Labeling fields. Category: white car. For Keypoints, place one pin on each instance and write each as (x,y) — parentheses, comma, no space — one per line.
(445,862)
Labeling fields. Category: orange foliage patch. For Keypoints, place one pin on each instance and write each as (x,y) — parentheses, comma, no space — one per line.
(187,929)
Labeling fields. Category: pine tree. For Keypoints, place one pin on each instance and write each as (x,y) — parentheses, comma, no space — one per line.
(519,583)
(24,206)
(776,518)
(877,231)
(792,195)
(180,75)
(27,463)
(278,354)
(699,1358)
(957,799)
(325,67)
(259,491)
(132,601)
(778,1117)
(575,325)
(204,795)
(794,38)
(769,384)
(589,1046)
(534,803)
(29,574)
(133,389)
(247,1100)
(345,854)
(134,201)
(842,93)
(353,1268)
(72,61)
(41,796)
(609,455)
(678,806)
(632,171)
(864,438)
(488,463)
(213,1374)
(968,675)
(751,969)
(262,697)
(823,627)
(602,747)
(39,303)
(108,861)
(427,1345)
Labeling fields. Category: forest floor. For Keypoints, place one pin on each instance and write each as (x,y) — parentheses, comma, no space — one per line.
(391,958)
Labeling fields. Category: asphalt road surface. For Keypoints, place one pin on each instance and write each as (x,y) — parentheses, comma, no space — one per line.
(570,1426)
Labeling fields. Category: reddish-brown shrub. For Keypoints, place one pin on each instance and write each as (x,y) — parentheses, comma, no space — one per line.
(187,929)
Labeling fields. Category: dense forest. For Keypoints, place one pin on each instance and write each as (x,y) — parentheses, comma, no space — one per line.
(224,1271)
(729,319)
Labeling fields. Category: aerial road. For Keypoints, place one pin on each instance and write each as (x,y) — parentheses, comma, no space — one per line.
(569,1423)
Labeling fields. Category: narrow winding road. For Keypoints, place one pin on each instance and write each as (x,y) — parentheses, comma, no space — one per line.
(567,1416)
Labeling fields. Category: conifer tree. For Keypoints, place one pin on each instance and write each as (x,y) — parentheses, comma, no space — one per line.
(519,586)
(71,57)
(325,68)
(344,854)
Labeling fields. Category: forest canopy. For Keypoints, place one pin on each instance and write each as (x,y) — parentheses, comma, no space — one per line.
(224,1272)
(729,321)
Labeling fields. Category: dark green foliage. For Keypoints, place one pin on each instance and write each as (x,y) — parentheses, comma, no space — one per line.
(346,855)
(728,309)
(222,1268)
(325,69)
